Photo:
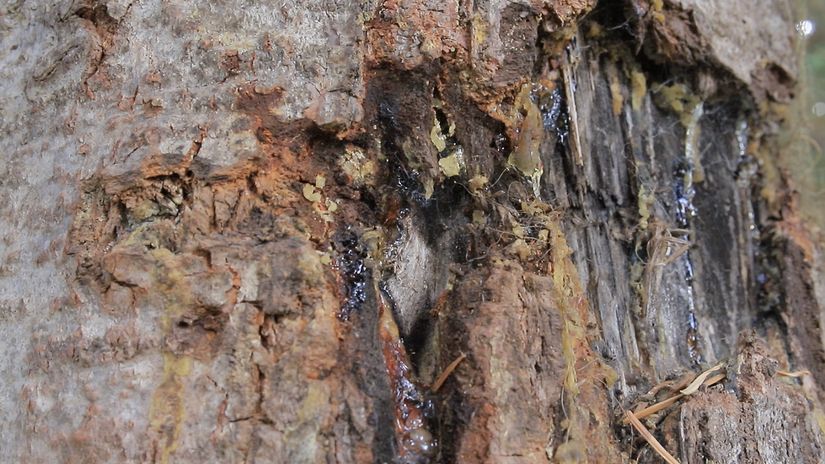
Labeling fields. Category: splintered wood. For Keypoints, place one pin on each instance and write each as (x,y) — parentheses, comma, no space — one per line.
(568,66)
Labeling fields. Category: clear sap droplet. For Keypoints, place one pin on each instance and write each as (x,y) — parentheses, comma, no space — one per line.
(806,27)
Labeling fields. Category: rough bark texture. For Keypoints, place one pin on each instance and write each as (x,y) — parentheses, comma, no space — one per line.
(235,232)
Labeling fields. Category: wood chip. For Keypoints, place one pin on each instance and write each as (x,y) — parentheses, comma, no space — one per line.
(651,440)
(699,380)
(311,194)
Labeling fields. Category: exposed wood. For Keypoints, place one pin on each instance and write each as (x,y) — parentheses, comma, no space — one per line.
(255,232)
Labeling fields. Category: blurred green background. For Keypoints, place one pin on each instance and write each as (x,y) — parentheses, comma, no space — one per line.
(807,161)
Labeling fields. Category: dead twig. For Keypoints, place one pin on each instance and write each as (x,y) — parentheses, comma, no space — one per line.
(651,440)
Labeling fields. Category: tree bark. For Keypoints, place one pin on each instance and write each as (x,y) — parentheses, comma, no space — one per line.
(404,231)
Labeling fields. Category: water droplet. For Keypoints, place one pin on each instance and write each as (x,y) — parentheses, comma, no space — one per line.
(806,27)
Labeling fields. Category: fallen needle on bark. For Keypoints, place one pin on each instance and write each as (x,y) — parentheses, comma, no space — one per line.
(794,374)
(645,433)
(699,380)
(449,370)
(654,408)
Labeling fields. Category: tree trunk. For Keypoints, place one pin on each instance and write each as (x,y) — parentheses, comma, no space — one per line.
(404,231)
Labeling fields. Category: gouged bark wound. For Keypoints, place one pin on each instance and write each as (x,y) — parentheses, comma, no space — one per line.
(413,440)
